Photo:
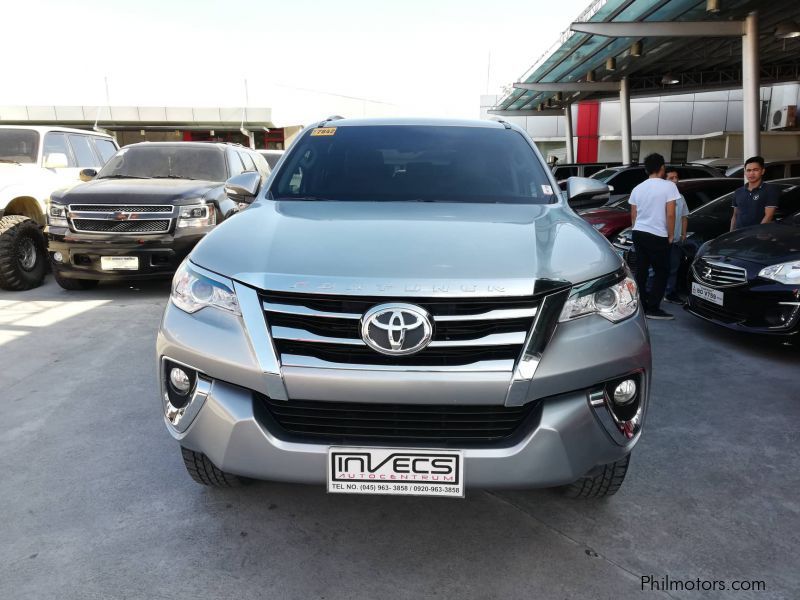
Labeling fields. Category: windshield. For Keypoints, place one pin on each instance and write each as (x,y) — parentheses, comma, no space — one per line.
(173,162)
(605,175)
(19,145)
(414,163)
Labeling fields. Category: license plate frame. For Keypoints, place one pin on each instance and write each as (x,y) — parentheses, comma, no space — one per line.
(119,263)
(708,294)
(395,471)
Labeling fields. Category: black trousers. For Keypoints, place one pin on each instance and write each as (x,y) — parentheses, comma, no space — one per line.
(651,251)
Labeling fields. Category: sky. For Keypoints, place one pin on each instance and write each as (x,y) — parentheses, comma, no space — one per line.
(306,60)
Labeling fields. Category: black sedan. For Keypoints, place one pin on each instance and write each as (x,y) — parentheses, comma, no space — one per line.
(749,279)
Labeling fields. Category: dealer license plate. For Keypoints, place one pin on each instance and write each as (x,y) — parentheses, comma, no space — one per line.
(119,263)
(396,471)
(707,293)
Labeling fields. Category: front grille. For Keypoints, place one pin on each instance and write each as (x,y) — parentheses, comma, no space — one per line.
(718,274)
(136,208)
(465,330)
(361,423)
(102,226)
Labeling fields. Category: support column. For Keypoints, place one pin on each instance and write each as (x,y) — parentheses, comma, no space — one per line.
(751,95)
(625,117)
(568,133)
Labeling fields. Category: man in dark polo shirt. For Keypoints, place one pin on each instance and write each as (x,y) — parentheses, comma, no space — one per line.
(756,201)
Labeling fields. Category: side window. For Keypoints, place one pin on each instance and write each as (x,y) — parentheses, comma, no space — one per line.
(590,170)
(83,151)
(695,199)
(261,164)
(105,148)
(564,172)
(627,180)
(57,143)
(795,169)
(789,203)
(247,160)
(235,165)
(774,171)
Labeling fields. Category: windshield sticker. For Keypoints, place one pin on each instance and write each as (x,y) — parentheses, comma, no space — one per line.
(547,190)
(324,131)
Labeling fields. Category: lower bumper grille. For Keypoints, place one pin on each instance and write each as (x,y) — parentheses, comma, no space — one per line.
(351,422)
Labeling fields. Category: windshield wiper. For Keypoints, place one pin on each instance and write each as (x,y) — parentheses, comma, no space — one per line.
(173,177)
(307,198)
(119,176)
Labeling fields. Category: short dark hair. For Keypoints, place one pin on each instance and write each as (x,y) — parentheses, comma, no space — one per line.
(672,170)
(755,159)
(653,163)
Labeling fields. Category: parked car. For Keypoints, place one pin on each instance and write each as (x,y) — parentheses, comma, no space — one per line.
(271,156)
(721,164)
(611,219)
(773,169)
(407,306)
(623,179)
(144,211)
(749,279)
(34,162)
(562,171)
(710,221)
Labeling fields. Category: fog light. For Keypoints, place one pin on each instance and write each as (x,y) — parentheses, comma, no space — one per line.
(180,381)
(625,392)
(58,257)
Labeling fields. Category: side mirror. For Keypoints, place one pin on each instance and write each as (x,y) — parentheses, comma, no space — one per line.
(243,187)
(87,174)
(585,188)
(56,160)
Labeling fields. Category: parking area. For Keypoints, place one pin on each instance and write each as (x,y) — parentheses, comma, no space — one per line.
(97,504)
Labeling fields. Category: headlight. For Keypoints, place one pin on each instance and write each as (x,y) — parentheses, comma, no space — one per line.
(788,273)
(193,290)
(197,215)
(616,302)
(598,226)
(57,215)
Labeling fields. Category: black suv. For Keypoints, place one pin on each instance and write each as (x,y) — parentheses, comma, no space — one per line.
(144,211)
(624,179)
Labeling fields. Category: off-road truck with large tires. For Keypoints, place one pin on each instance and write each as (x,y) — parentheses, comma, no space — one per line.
(34,162)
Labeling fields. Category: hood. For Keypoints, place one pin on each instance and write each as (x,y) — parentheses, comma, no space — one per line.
(137,191)
(762,244)
(405,248)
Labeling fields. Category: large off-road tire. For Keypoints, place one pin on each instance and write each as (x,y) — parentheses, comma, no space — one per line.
(604,482)
(23,253)
(75,284)
(204,472)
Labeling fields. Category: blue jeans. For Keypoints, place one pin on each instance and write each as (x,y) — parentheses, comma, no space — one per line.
(675,256)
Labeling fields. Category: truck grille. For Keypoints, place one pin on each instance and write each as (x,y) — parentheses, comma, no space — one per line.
(352,422)
(121,218)
(719,274)
(465,330)
(99,226)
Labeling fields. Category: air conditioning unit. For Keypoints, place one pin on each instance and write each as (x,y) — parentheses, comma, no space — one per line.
(784,118)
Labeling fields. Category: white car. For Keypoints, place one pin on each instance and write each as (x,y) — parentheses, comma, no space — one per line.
(34,162)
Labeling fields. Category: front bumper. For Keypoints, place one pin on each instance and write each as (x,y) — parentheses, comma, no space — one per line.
(159,255)
(570,437)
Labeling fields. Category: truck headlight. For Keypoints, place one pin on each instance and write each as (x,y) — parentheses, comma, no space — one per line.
(197,215)
(192,290)
(57,215)
(615,302)
(788,273)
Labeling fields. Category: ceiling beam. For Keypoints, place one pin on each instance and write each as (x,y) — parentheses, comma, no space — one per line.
(547,112)
(637,29)
(570,86)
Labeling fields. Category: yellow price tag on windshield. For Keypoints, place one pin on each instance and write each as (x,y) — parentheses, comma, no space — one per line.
(324,131)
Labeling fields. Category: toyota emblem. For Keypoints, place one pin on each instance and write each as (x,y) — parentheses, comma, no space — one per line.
(396,329)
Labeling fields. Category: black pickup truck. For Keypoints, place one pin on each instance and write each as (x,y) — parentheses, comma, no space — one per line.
(144,211)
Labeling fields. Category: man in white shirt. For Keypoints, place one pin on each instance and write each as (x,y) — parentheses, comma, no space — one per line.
(653,217)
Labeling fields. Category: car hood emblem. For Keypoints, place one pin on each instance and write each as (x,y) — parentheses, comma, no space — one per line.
(396,329)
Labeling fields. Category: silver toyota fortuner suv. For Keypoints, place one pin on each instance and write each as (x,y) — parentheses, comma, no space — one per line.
(408,307)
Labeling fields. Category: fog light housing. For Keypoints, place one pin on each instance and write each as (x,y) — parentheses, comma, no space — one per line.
(180,381)
(624,393)
(58,257)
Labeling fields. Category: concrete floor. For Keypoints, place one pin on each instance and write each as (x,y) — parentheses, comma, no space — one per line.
(95,503)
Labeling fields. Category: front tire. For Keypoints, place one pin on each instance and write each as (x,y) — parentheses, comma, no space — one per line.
(23,253)
(75,284)
(204,472)
(602,483)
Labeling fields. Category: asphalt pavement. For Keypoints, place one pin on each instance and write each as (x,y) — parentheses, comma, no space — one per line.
(95,502)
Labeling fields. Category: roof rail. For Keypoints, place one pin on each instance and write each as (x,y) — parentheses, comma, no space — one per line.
(505,123)
(331,118)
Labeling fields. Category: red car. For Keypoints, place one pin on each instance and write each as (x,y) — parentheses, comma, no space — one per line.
(616,216)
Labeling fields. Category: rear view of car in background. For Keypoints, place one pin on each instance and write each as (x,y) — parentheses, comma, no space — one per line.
(34,162)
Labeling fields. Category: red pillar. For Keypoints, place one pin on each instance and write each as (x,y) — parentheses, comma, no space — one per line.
(587,130)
